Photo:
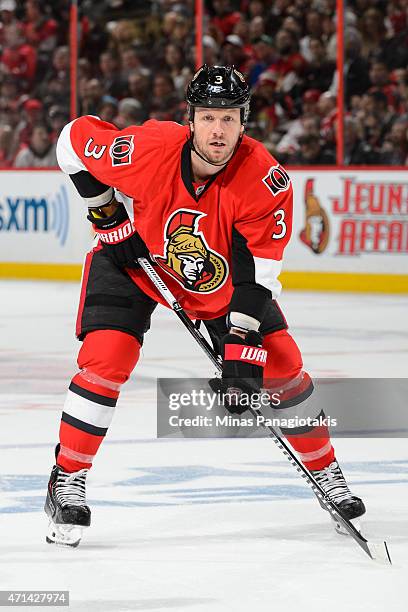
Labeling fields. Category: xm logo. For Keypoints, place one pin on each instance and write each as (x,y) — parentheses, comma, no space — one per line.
(39,214)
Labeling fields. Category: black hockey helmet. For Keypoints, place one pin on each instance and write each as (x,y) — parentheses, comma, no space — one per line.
(218,87)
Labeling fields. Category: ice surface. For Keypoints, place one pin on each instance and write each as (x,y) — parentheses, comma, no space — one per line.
(212,525)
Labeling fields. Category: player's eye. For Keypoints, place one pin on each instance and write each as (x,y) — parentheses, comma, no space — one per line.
(208,117)
(228,118)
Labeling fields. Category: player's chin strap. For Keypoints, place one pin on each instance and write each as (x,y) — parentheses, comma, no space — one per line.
(376,551)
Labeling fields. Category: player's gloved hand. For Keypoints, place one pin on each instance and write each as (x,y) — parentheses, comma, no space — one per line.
(242,369)
(118,236)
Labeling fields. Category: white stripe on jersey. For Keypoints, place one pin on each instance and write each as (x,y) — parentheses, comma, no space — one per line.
(68,160)
(266,274)
(70,163)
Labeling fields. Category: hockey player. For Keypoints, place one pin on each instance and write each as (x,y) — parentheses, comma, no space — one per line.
(214,210)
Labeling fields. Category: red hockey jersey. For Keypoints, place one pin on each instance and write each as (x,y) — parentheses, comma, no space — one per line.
(216,250)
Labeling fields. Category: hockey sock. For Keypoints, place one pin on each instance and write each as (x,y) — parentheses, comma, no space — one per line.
(106,359)
(314,448)
(284,370)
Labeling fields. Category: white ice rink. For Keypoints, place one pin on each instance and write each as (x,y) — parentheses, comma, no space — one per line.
(211,525)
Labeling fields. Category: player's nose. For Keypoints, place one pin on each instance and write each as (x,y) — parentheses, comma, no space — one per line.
(218,129)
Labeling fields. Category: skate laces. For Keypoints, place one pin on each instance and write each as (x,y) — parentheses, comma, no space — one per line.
(333,483)
(70,488)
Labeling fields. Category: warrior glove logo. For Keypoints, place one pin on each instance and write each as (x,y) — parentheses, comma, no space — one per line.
(254,354)
(187,256)
(121,150)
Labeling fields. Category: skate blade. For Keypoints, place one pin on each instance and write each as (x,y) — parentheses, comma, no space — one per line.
(356,522)
(64,535)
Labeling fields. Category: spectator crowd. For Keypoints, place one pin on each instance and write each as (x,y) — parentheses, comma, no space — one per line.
(136,57)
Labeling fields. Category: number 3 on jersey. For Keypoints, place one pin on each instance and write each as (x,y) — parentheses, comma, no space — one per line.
(280,216)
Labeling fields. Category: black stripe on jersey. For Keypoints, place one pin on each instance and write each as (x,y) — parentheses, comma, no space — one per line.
(87,185)
(187,172)
(87,427)
(298,431)
(248,297)
(93,397)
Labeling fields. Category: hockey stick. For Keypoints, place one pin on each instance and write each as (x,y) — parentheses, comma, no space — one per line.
(376,551)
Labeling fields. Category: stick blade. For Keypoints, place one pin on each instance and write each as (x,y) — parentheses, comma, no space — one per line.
(379,552)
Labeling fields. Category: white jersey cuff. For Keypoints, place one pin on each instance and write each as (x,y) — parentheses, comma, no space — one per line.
(243,321)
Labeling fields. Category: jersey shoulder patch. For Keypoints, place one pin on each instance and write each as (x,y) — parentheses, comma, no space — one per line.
(276,179)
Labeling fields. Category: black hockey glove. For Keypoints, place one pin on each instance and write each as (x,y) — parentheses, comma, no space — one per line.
(119,238)
(242,369)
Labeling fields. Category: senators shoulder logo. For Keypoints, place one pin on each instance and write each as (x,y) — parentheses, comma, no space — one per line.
(187,256)
(316,231)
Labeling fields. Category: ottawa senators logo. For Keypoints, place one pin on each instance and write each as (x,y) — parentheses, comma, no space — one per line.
(187,256)
(316,231)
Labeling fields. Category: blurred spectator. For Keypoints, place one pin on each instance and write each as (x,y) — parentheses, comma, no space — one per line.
(225,17)
(314,29)
(58,117)
(289,64)
(55,85)
(308,123)
(312,153)
(380,81)
(264,55)
(269,108)
(92,97)
(356,68)
(327,107)
(233,53)
(40,30)
(210,50)
(7,17)
(289,143)
(6,135)
(124,34)
(108,109)
(129,60)
(176,64)
(130,112)
(372,31)
(320,71)
(257,27)
(32,113)
(395,49)
(395,147)
(355,150)
(18,59)
(164,99)
(84,68)
(110,79)
(9,92)
(139,87)
(40,152)
(181,32)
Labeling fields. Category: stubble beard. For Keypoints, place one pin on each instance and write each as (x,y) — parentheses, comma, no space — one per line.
(215,159)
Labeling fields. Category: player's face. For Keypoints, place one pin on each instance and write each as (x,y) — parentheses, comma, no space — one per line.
(216,132)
